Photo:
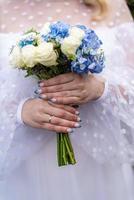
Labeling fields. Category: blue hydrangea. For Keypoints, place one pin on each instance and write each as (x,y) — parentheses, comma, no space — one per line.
(28,39)
(84,28)
(58,31)
(93,64)
(89,57)
(25,42)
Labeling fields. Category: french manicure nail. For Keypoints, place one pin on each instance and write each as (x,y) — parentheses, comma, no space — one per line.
(77,112)
(69,130)
(41,84)
(53,100)
(43,96)
(78,119)
(38,91)
(77,125)
(35,92)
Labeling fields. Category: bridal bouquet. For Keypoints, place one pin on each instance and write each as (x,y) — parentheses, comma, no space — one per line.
(59,48)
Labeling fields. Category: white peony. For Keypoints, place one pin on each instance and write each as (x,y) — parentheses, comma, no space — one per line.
(70,45)
(28,55)
(15,58)
(46,29)
(77,32)
(46,55)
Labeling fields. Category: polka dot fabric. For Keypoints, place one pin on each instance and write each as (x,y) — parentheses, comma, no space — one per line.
(17,16)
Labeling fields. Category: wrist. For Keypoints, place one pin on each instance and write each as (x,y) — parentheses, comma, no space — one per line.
(99,85)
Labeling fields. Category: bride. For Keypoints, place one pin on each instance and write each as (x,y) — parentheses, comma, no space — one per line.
(101,129)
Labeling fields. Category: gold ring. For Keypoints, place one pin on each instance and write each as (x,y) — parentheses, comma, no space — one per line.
(50,119)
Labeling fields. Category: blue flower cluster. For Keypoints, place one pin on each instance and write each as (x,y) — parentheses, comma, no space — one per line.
(89,56)
(27,41)
(58,31)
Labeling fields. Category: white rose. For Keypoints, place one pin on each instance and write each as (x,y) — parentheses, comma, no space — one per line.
(46,55)
(77,32)
(46,29)
(28,55)
(15,58)
(70,45)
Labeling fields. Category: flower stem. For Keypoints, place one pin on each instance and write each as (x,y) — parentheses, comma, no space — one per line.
(69,151)
(65,151)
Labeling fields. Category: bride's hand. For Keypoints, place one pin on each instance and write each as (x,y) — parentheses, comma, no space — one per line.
(72,88)
(37,113)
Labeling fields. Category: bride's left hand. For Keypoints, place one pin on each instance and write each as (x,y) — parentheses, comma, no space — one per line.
(71,88)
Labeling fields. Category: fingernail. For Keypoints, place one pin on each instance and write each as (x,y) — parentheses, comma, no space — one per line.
(38,91)
(77,125)
(53,100)
(35,92)
(43,96)
(76,106)
(40,97)
(79,119)
(77,112)
(69,130)
(41,84)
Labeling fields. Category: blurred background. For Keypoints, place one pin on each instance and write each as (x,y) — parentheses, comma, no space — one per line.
(16,16)
(131,6)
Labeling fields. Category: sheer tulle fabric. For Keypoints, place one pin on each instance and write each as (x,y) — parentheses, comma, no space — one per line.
(107,132)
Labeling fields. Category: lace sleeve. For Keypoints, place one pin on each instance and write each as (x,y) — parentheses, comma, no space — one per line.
(108,125)
(120,74)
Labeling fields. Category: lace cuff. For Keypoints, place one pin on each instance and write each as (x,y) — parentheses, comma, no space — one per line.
(19,111)
(105,92)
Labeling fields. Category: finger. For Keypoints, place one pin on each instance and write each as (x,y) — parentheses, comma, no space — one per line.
(58,129)
(34,124)
(61,113)
(74,93)
(51,127)
(58,88)
(43,118)
(66,100)
(61,122)
(60,79)
(65,107)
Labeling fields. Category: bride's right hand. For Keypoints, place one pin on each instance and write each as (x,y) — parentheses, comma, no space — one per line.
(37,112)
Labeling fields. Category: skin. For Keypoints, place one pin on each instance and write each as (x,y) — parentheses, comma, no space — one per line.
(72,89)
(36,113)
(62,91)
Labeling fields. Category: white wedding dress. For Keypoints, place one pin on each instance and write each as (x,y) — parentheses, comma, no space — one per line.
(28,165)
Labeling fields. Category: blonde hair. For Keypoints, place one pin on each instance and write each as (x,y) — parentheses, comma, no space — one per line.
(102,7)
